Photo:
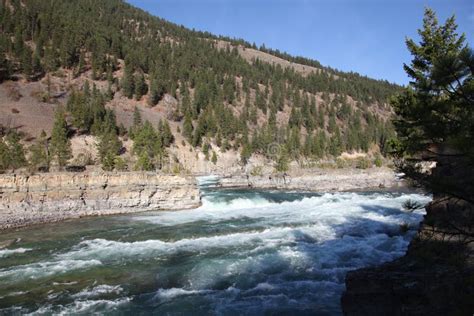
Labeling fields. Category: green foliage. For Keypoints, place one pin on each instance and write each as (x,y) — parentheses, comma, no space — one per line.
(17,152)
(144,163)
(140,85)
(436,109)
(157,90)
(128,82)
(4,156)
(214,157)
(81,35)
(109,147)
(188,127)
(39,153)
(341,163)
(152,144)
(363,163)
(12,153)
(282,163)
(165,133)
(60,148)
(245,153)
(378,162)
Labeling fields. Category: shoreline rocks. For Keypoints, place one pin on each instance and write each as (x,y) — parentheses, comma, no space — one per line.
(50,197)
(436,275)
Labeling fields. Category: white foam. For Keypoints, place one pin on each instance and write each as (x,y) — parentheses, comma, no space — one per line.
(168,294)
(98,291)
(85,307)
(45,269)
(294,254)
(333,207)
(9,252)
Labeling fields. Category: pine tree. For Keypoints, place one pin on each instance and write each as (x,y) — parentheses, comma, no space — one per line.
(141,87)
(39,157)
(109,147)
(16,150)
(441,63)
(144,163)
(27,62)
(282,160)
(246,153)
(137,122)
(166,135)
(60,147)
(188,127)
(128,84)
(436,111)
(5,158)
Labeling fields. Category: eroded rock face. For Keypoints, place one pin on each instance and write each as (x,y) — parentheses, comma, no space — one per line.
(324,181)
(53,197)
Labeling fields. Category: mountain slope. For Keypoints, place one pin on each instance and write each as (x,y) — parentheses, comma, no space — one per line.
(216,94)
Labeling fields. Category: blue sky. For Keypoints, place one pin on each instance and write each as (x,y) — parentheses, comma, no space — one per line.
(366,36)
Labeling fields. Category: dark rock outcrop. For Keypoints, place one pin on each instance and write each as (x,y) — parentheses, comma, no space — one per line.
(436,276)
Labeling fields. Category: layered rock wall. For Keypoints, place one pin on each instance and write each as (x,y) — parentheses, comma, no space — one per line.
(49,197)
(322,181)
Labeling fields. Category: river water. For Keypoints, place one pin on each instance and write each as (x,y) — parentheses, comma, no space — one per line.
(242,253)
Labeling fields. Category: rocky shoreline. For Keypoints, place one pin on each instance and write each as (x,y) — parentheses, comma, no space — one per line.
(436,276)
(331,180)
(50,197)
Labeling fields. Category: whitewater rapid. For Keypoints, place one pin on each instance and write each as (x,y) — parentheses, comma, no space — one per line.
(242,252)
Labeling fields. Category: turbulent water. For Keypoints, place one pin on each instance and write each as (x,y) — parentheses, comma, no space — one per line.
(241,253)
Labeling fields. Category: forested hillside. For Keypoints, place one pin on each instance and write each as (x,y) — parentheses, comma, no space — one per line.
(188,90)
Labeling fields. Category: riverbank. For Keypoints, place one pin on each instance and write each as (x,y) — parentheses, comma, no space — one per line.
(50,197)
(435,277)
(244,252)
(321,180)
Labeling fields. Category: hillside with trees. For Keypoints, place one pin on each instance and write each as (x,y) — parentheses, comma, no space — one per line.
(145,91)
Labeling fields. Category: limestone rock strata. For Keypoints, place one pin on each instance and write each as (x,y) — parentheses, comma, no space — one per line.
(323,181)
(26,200)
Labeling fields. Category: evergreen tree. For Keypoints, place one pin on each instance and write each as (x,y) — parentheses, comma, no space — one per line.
(282,160)
(39,157)
(128,84)
(435,112)
(27,62)
(5,158)
(60,147)
(109,147)
(16,150)
(188,127)
(144,163)
(141,87)
(166,135)
(245,153)
(137,122)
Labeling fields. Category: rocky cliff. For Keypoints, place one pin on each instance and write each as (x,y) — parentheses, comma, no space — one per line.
(324,180)
(40,198)
(436,276)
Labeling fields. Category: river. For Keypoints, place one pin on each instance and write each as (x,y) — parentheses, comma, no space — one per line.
(243,252)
